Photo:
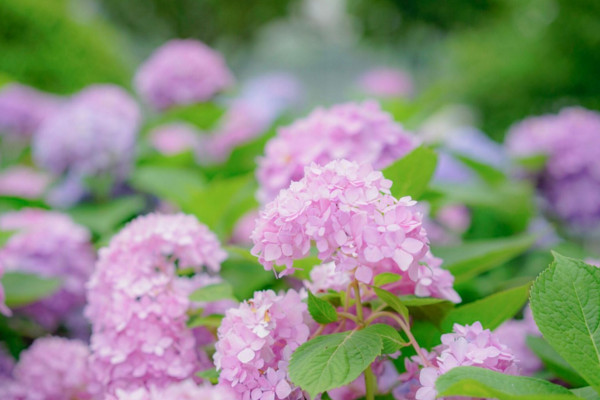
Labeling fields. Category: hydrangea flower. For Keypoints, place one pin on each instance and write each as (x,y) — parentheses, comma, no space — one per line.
(25,182)
(174,138)
(570,181)
(49,244)
(52,368)
(326,277)
(356,132)
(185,390)
(468,345)
(348,211)
(138,304)
(23,109)
(513,333)
(94,133)
(182,72)
(256,341)
(386,82)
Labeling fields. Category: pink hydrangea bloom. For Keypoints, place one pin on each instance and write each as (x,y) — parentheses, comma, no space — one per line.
(256,342)
(49,244)
(182,72)
(386,82)
(348,211)
(326,277)
(23,182)
(513,333)
(570,181)
(593,261)
(138,304)
(175,138)
(52,368)
(184,390)
(23,109)
(356,132)
(94,133)
(468,345)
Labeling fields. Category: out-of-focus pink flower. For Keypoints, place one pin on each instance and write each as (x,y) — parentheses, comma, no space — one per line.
(593,261)
(243,229)
(52,368)
(175,138)
(348,211)
(182,72)
(570,181)
(256,342)
(326,277)
(386,82)
(355,132)
(49,244)
(138,304)
(513,333)
(185,390)
(23,182)
(23,109)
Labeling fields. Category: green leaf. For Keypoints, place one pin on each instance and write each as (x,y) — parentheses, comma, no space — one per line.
(393,301)
(23,288)
(211,375)
(565,300)
(391,339)
(481,382)
(490,311)
(214,292)
(486,172)
(587,393)
(427,308)
(202,115)
(411,174)
(107,217)
(243,271)
(5,237)
(210,321)
(533,163)
(473,258)
(554,362)
(386,278)
(174,184)
(330,361)
(320,310)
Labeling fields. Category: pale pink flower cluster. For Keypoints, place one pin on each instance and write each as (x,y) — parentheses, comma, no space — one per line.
(468,345)
(138,304)
(256,341)
(52,368)
(24,182)
(348,211)
(49,244)
(175,138)
(356,132)
(386,82)
(326,277)
(182,72)
(184,390)
(513,333)
(23,109)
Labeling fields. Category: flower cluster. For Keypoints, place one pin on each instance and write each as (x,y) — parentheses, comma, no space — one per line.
(182,72)
(52,368)
(356,132)
(348,211)
(138,303)
(386,82)
(468,345)
(325,277)
(256,342)
(23,182)
(513,333)
(174,138)
(23,109)
(49,244)
(570,181)
(94,133)
(184,390)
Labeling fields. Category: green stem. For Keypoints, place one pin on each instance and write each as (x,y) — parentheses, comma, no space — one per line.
(370,384)
(359,309)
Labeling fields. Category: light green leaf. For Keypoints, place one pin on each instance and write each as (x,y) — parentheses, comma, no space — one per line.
(330,361)
(393,301)
(214,292)
(107,217)
(587,393)
(23,288)
(553,361)
(320,310)
(486,172)
(391,339)
(5,236)
(490,311)
(386,278)
(411,174)
(202,115)
(211,375)
(210,321)
(565,300)
(480,382)
(475,257)
(174,184)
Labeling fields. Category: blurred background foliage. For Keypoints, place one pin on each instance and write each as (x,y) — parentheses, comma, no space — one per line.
(507,58)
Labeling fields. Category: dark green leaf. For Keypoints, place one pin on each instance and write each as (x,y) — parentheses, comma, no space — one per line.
(411,174)
(210,321)
(320,310)
(107,217)
(427,308)
(22,288)
(554,362)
